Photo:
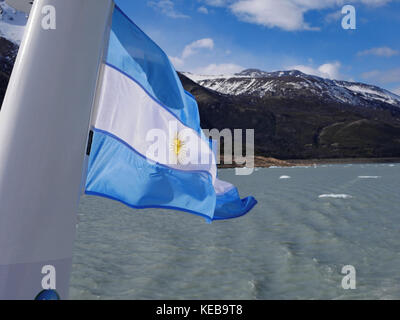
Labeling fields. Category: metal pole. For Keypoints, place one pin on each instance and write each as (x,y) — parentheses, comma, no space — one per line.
(44,123)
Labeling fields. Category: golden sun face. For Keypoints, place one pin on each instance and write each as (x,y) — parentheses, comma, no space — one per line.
(178,147)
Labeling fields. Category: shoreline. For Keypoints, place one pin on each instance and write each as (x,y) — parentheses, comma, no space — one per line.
(266,162)
(344,161)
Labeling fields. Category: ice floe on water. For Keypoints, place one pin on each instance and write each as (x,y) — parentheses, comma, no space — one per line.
(333,195)
(285,177)
(369,177)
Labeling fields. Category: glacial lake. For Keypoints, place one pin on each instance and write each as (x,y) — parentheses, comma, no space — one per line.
(308,224)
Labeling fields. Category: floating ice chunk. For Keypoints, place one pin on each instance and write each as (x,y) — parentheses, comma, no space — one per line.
(369,177)
(338,196)
(284,177)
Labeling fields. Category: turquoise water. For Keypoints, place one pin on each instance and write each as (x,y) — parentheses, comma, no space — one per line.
(293,245)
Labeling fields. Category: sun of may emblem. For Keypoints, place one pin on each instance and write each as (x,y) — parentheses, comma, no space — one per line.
(178,149)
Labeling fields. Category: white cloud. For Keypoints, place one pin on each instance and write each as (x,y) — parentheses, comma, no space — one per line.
(218,69)
(285,14)
(326,70)
(192,48)
(396,91)
(375,3)
(218,3)
(210,69)
(388,76)
(334,16)
(177,62)
(203,10)
(381,52)
(167,7)
(371,74)
(330,70)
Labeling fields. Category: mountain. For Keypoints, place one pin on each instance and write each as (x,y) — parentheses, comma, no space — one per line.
(12,25)
(294,84)
(295,116)
(299,116)
(8,51)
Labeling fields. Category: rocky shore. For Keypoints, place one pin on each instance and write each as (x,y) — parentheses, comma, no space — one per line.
(267,162)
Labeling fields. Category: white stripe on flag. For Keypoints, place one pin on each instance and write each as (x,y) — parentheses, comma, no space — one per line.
(129,113)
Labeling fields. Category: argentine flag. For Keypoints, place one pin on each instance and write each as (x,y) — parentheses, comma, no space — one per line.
(148,150)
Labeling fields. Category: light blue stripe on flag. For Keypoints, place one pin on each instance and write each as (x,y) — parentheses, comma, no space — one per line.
(120,173)
(133,52)
(141,91)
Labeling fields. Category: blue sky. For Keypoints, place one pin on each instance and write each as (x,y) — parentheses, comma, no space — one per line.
(226,36)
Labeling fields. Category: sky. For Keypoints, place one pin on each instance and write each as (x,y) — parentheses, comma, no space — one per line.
(228,36)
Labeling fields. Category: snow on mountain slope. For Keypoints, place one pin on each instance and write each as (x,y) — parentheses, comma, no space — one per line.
(371,92)
(293,83)
(290,84)
(12,23)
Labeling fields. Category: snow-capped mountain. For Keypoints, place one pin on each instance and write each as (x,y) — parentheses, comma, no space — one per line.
(12,23)
(297,116)
(294,115)
(12,26)
(293,83)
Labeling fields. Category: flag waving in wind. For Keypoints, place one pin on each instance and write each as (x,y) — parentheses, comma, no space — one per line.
(148,150)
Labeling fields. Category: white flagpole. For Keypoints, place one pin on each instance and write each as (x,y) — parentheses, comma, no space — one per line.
(44,123)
